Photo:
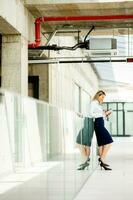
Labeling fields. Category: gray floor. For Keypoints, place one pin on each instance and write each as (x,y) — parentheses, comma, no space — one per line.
(116,184)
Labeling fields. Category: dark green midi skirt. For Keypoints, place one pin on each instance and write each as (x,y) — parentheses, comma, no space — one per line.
(85,135)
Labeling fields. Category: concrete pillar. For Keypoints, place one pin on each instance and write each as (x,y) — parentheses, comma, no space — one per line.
(15,64)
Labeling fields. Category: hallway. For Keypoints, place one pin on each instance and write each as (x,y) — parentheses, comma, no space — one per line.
(116,184)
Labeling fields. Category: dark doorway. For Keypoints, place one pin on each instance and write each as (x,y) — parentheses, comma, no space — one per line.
(33,86)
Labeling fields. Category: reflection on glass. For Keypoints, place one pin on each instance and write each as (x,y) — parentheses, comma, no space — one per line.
(6,165)
(77,98)
(85,102)
(39,137)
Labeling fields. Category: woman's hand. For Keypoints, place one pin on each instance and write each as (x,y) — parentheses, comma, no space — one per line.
(80,115)
(108,112)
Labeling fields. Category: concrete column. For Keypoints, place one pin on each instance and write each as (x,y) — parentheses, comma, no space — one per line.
(15,64)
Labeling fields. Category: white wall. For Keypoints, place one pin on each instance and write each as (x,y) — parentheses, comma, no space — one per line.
(62,77)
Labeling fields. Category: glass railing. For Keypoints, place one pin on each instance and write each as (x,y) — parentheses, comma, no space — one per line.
(40,138)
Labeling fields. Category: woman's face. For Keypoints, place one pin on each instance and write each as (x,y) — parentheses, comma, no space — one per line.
(101,98)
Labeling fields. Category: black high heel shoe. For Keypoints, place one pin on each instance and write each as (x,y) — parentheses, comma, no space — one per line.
(104,167)
(87,161)
(83,166)
(100,161)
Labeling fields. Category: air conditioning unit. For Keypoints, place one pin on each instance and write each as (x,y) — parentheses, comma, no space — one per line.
(99,47)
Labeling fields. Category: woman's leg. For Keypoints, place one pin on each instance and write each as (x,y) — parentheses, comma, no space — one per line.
(86,158)
(100,150)
(87,153)
(104,151)
(85,150)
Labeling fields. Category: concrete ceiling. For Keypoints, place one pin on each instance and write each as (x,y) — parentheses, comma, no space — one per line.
(70,1)
(76,8)
(109,74)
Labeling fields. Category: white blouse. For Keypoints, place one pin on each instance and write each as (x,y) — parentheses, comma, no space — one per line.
(96,110)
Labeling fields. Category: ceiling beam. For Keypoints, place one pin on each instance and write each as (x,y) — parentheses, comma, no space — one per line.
(38,2)
(55,61)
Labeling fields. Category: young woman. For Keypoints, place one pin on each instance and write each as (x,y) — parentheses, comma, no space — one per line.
(83,141)
(104,139)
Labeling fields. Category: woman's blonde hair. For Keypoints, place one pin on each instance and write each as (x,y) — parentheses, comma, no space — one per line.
(98,94)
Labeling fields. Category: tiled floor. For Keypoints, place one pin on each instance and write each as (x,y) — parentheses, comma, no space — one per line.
(116,184)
